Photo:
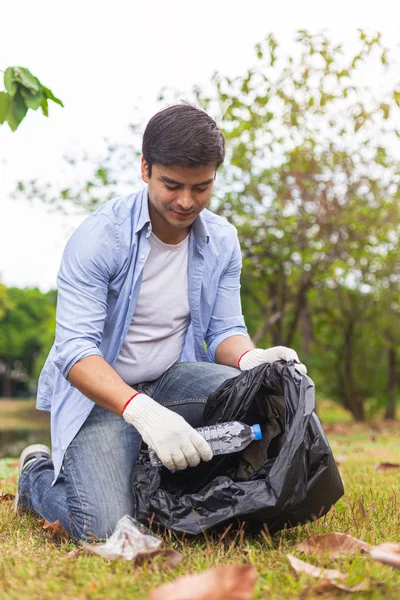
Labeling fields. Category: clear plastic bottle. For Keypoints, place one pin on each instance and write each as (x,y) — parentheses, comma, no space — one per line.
(224,438)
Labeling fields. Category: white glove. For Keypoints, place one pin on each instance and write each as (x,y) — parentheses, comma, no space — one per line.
(175,442)
(256,357)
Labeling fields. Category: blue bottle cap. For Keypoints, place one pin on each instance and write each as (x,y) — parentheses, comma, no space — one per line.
(257,431)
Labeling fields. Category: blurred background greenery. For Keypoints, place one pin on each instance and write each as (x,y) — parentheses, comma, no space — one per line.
(311,181)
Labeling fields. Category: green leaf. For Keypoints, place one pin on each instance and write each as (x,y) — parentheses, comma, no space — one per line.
(25,78)
(17,111)
(4,106)
(32,101)
(396,96)
(45,106)
(9,81)
(49,94)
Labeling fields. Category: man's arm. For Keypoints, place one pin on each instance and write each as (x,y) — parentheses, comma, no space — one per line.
(230,350)
(94,377)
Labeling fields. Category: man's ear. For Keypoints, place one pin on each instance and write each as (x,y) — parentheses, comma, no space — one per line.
(144,170)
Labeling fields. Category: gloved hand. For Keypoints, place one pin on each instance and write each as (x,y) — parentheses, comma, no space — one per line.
(176,443)
(257,356)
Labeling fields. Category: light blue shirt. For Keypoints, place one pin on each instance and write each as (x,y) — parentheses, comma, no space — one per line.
(98,287)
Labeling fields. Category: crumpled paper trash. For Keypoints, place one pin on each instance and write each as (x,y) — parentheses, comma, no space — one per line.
(129,539)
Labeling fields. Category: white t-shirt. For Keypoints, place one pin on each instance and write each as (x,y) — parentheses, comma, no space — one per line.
(157,332)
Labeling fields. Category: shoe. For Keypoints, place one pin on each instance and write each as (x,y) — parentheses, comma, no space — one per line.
(28,456)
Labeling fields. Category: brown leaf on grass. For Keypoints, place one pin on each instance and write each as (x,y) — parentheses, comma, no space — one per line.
(14,464)
(382,453)
(170,558)
(388,553)
(302,567)
(233,582)
(337,428)
(332,545)
(386,466)
(75,553)
(340,459)
(55,529)
(92,586)
(5,496)
(326,587)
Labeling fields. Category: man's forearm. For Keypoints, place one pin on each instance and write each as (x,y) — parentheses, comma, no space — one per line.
(230,350)
(94,377)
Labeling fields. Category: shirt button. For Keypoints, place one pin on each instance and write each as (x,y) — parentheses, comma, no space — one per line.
(142,256)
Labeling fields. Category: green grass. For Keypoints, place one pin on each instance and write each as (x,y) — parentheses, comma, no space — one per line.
(32,566)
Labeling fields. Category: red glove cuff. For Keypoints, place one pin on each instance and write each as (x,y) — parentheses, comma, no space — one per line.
(126,404)
(240,358)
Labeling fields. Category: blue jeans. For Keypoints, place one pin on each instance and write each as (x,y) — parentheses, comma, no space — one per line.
(93,490)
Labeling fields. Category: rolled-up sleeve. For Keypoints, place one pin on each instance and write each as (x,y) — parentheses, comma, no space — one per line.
(89,261)
(227,319)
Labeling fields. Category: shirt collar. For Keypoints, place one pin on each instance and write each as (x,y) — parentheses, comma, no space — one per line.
(144,216)
(200,231)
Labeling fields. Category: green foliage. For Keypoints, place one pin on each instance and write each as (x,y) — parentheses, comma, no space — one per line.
(312,183)
(27,325)
(23,91)
(313,187)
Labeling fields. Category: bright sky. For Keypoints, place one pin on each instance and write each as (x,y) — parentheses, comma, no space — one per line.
(103,59)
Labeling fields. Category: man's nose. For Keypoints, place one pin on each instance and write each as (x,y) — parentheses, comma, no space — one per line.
(185,200)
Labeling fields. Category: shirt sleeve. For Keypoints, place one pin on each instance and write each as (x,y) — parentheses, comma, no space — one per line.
(227,319)
(89,262)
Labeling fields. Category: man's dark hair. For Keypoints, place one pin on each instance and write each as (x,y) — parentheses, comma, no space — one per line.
(183,135)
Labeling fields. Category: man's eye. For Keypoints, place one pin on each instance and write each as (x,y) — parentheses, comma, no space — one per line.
(203,189)
(172,188)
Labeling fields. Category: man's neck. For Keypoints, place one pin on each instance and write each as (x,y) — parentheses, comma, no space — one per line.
(165,232)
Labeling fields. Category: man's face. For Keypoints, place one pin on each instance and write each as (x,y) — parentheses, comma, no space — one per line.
(176,196)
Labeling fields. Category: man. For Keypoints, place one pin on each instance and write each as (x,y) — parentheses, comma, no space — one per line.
(149,324)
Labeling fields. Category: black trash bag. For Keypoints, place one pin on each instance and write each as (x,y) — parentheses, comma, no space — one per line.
(287,478)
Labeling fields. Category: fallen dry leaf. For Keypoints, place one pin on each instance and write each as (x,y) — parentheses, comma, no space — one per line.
(388,553)
(332,545)
(55,529)
(377,452)
(92,586)
(171,558)
(75,553)
(325,587)
(386,466)
(233,582)
(340,459)
(5,496)
(302,567)
(336,428)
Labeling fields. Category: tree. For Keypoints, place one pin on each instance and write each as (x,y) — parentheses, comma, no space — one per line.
(26,333)
(313,185)
(24,91)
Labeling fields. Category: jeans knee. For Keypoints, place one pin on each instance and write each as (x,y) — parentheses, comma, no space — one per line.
(99,525)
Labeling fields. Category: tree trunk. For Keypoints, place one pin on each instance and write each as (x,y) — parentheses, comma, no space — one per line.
(269,321)
(301,303)
(392,384)
(306,328)
(353,400)
(7,384)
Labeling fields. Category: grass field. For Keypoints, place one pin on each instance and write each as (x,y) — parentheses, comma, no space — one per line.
(33,566)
